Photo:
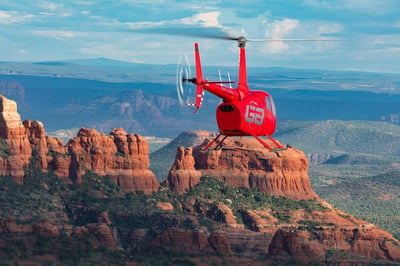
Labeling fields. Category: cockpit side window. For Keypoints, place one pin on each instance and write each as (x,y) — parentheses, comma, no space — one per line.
(270,104)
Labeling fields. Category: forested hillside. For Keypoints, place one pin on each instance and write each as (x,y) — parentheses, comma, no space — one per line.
(354,165)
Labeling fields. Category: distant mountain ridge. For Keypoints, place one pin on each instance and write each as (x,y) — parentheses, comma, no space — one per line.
(103,94)
(357,137)
(152,108)
(111,70)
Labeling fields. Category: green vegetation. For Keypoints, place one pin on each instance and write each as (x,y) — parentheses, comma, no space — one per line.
(374,198)
(39,198)
(375,140)
(46,197)
(4,150)
(35,249)
(353,165)
(244,199)
(352,181)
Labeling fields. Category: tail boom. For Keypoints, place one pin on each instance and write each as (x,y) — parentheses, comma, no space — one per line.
(214,87)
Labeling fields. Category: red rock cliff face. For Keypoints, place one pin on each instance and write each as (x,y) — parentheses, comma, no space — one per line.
(17,147)
(335,233)
(124,157)
(121,156)
(183,174)
(247,164)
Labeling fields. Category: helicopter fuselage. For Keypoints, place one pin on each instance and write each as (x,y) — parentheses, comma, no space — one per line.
(243,113)
(253,115)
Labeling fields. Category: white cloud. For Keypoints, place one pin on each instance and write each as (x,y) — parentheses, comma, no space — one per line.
(279,29)
(144,24)
(294,29)
(12,17)
(208,19)
(59,34)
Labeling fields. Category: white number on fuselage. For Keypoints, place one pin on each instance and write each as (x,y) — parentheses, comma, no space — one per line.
(254,115)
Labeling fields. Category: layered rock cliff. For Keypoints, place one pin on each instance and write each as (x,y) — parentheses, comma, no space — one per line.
(324,235)
(16,147)
(244,163)
(121,156)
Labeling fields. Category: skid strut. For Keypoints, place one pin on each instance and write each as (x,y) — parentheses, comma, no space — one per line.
(214,140)
(277,144)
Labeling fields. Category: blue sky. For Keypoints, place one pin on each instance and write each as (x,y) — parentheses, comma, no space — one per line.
(57,30)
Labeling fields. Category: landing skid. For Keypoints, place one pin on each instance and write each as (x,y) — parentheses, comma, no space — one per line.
(279,147)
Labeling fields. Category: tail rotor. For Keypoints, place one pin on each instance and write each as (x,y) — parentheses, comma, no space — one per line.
(183,80)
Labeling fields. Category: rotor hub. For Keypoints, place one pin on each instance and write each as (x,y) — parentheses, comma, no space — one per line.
(241,41)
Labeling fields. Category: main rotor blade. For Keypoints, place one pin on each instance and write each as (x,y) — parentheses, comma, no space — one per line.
(200,32)
(214,33)
(292,40)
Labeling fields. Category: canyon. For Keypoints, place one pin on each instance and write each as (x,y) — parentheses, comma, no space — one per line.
(239,204)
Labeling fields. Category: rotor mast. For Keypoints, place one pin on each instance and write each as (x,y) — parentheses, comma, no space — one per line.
(242,83)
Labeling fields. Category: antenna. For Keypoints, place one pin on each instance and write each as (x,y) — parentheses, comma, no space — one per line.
(229,79)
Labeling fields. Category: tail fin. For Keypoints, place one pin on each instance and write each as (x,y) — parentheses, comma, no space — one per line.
(199,79)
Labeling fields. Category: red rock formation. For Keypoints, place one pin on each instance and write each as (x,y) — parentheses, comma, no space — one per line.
(309,236)
(260,221)
(311,246)
(45,228)
(104,235)
(196,241)
(244,163)
(9,226)
(121,156)
(223,213)
(183,175)
(37,139)
(16,140)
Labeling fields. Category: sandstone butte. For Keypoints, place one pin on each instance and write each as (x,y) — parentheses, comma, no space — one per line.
(122,157)
(240,163)
(245,163)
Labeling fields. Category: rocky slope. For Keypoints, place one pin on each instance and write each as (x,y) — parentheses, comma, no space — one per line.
(255,207)
(326,235)
(121,156)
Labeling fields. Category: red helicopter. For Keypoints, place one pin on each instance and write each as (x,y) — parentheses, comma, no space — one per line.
(243,112)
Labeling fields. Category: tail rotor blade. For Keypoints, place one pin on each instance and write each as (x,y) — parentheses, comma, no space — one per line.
(183,76)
